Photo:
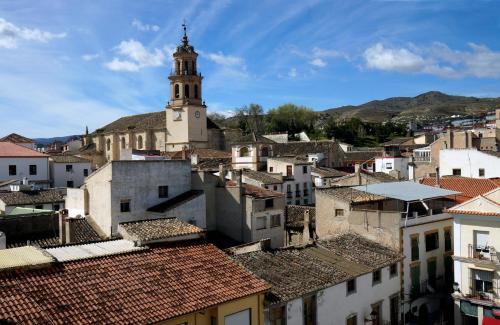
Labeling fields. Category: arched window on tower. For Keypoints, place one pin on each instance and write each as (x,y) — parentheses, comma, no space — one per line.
(139,142)
(176,90)
(244,152)
(195,91)
(108,144)
(186,69)
(178,67)
(186,91)
(194,67)
(123,143)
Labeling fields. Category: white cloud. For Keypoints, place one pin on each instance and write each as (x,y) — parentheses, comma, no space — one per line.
(292,73)
(10,35)
(222,59)
(438,60)
(144,27)
(136,56)
(90,57)
(318,62)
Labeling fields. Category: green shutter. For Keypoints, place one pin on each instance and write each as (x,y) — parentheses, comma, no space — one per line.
(415,280)
(431,273)
(414,249)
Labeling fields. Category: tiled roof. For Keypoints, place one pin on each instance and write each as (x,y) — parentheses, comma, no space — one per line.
(328,172)
(239,138)
(375,177)
(300,148)
(32,197)
(361,156)
(297,271)
(176,201)
(399,141)
(16,138)
(262,177)
(68,159)
(255,191)
(349,194)
(294,215)
(292,160)
(469,187)
(202,153)
(212,164)
(143,287)
(9,149)
(157,229)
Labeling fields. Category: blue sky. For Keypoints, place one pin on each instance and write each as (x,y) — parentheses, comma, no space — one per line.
(68,64)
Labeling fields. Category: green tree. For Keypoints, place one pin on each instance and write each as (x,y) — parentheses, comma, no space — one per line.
(291,118)
(251,119)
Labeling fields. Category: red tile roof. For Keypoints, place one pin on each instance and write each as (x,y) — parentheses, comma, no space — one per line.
(142,287)
(469,187)
(202,153)
(16,138)
(9,149)
(255,191)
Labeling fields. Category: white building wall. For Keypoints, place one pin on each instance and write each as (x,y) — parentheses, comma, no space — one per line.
(193,211)
(23,168)
(60,177)
(469,161)
(276,234)
(390,164)
(294,314)
(298,177)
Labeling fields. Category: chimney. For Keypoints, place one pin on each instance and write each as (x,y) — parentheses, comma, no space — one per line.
(357,173)
(71,224)
(306,235)
(63,214)
(438,183)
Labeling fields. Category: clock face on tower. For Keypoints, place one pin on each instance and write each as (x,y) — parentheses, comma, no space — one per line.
(197,114)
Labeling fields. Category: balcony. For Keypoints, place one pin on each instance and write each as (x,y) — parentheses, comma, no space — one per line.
(289,194)
(485,291)
(297,193)
(485,254)
(427,287)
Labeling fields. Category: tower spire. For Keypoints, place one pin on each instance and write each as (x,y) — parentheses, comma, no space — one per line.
(184,37)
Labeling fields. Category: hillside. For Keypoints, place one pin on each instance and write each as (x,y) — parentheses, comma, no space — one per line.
(428,106)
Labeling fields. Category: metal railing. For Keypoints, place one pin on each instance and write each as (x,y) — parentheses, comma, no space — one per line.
(297,193)
(486,253)
(289,194)
(482,291)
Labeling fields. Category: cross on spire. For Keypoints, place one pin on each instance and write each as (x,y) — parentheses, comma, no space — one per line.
(184,38)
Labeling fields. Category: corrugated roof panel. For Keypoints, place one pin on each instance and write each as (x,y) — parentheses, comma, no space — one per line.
(78,252)
(405,191)
(23,257)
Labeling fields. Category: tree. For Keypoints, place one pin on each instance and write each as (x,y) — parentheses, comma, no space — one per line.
(251,119)
(291,118)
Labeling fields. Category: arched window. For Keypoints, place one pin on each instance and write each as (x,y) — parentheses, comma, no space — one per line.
(186,91)
(108,144)
(195,91)
(194,67)
(265,152)
(186,69)
(244,152)
(176,90)
(139,142)
(178,67)
(123,143)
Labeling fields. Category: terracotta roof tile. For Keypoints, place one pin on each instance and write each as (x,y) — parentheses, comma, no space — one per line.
(255,191)
(469,187)
(68,159)
(9,149)
(141,287)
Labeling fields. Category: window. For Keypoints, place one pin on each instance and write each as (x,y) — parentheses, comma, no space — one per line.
(447,240)
(69,168)
(339,212)
(415,280)
(70,184)
(481,239)
(271,169)
(32,169)
(264,152)
(306,201)
(394,310)
(244,152)
(85,172)
(186,91)
(275,220)
(431,241)
(414,249)
(123,143)
(352,319)
(163,191)
(481,172)
(351,286)
(482,281)
(240,318)
(269,203)
(388,165)
(260,223)
(125,206)
(12,170)
(289,170)
(139,142)
(297,202)
(39,206)
(195,91)
(376,277)
(431,272)
(275,187)
(310,310)
(304,169)
(457,172)
(176,91)
(277,315)
(393,270)
(56,207)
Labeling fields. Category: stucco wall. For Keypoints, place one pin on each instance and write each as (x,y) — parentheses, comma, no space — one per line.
(23,165)
(193,211)
(60,176)
(469,161)
(229,211)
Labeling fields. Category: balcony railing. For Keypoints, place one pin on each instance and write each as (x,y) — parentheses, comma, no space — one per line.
(306,192)
(482,290)
(289,194)
(297,193)
(486,253)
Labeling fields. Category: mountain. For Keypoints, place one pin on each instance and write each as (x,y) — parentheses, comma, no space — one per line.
(428,106)
(46,141)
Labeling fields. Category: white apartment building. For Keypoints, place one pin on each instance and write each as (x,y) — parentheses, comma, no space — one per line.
(476,227)
(393,165)
(124,191)
(469,163)
(344,280)
(297,180)
(18,162)
(252,155)
(68,171)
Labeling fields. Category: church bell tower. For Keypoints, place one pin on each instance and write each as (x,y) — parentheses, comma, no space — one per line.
(186,113)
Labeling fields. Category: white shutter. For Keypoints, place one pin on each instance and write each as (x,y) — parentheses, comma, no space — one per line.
(240,318)
(481,239)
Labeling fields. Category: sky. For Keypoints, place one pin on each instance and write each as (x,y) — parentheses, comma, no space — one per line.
(66,64)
